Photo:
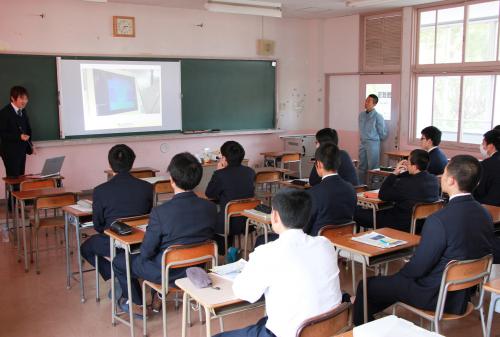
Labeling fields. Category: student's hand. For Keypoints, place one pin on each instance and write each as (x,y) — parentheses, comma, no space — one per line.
(24,137)
(401,167)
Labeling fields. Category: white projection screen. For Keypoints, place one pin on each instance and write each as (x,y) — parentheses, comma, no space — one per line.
(100,97)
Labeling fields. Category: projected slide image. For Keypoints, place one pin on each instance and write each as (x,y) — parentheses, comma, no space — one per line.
(121,96)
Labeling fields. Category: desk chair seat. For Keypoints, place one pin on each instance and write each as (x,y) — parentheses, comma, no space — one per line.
(458,275)
(177,256)
(328,324)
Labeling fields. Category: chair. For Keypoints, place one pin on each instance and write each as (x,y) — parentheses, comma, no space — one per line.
(133,221)
(36,184)
(494,212)
(177,256)
(329,324)
(143,173)
(263,180)
(53,202)
(233,209)
(161,187)
(290,158)
(458,275)
(422,211)
(333,231)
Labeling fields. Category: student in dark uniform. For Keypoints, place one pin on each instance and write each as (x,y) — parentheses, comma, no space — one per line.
(231,181)
(15,133)
(185,219)
(461,231)
(488,190)
(346,170)
(430,140)
(409,184)
(333,199)
(120,197)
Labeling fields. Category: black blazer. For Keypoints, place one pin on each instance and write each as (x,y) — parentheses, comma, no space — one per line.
(122,196)
(227,184)
(11,126)
(405,190)
(437,161)
(185,219)
(333,203)
(488,190)
(346,171)
(462,230)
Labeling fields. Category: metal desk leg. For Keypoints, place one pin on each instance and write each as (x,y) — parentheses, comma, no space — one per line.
(247,225)
(207,322)
(374,211)
(26,268)
(185,305)
(79,256)
(6,207)
(493,303)
(265,233)
(16,221)
(129,288)
(66,239)
(365,290)
(112,252)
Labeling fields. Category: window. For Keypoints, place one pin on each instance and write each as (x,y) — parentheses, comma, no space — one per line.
(384,94)
(458,71)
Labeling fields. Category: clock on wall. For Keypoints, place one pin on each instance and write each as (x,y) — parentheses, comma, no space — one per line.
(124,26)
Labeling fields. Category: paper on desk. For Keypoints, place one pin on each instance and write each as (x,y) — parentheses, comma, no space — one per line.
(142,227)
(378,240)
(391,326)
(84,209)
(230,270)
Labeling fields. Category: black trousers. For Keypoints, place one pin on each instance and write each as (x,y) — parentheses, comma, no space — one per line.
(14,162)
(98,245)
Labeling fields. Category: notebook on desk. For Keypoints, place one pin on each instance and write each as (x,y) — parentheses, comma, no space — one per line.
(51,167)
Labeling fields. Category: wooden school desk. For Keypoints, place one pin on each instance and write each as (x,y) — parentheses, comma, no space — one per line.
(138,172)
(275,156)
(10,182)
(258,221)
(216,302)
(375,204)
(79,220)
(369,255)
(397,155)
(289,184)
(126,242)
(20,201)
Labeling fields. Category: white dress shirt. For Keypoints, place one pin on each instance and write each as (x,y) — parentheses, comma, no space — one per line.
(299,276)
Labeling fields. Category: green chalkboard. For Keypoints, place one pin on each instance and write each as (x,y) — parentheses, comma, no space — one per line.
(216,94)
(228,95)
(38,75)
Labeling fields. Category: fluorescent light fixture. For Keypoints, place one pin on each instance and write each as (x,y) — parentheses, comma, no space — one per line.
(366,3)
(101,1)
(261,8)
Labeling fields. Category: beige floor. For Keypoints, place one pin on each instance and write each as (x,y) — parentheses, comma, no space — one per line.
(40,305)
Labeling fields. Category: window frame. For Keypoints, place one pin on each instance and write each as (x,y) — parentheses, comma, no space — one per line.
(449,69)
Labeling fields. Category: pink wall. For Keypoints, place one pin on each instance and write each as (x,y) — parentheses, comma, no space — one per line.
(76,27)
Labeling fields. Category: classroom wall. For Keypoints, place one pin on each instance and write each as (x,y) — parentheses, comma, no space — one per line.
(77,27)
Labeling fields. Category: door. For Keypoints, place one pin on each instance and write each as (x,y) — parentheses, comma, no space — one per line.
(387,88)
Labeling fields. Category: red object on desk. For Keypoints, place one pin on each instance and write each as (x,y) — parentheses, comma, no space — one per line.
(371,195)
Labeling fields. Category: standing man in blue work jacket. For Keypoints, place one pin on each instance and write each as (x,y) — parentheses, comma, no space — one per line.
(372,130)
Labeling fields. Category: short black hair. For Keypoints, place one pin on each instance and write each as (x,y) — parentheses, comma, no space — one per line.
(493,137)
(17,91)
(233,151)
(327,135)
(329,155)
(419,158)
(294,207)
(121,158)
(374,97)
(432,133)
(466,170)
(497,127)
(185,170)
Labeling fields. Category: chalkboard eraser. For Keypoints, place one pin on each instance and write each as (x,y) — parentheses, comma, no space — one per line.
(215,130)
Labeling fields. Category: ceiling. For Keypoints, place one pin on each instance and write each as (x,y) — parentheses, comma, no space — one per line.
(292,8)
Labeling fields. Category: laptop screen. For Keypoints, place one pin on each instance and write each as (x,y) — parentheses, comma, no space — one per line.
(52,166)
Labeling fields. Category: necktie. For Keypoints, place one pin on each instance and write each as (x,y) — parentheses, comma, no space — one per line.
(20,113)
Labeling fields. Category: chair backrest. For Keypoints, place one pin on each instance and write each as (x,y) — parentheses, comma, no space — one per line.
(163,186)
(135,221)
(55,201)
(460,275)
(143,174)
(360,188)
(234,207)
(328,324)
(334,231)
(267,177)
(494,212)
(290,158)
(422,211)
(37,184)
(181,256)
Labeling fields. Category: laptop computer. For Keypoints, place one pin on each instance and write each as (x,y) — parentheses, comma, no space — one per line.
(52,167)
